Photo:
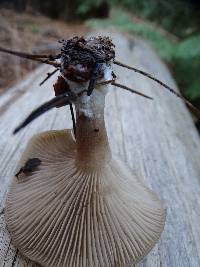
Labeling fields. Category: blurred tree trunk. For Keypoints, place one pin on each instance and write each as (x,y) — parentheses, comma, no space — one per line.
(64,9)
(18,5)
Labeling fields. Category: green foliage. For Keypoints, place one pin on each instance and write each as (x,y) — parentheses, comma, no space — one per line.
(86,6)
(167,13)
(190,48)
(67,9)
(35,29)
(187,62)
(164,45)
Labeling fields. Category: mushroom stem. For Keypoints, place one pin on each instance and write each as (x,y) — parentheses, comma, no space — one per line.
(92,142)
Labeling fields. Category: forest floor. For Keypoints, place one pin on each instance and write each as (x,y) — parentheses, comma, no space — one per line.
(33,33)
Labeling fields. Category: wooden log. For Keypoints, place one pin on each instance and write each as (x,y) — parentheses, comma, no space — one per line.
(156,138)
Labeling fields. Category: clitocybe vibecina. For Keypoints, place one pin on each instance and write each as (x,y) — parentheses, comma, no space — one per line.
(78,205)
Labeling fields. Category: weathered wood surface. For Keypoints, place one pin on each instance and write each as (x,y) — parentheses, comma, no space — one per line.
(156,138)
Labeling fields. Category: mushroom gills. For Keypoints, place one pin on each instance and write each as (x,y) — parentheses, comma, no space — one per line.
(65,215)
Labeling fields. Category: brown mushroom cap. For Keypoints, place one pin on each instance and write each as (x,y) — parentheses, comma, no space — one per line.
(65,215)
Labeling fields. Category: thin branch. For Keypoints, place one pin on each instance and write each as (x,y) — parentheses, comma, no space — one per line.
(105,82)
(73,118)
(22,54)
(37,58)
(131,90)
(56,101)
(49,74)
(112,82)
(93,79)
(195,110)
(189,105)
(149,76)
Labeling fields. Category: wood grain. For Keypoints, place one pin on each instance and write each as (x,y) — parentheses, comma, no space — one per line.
(156,138)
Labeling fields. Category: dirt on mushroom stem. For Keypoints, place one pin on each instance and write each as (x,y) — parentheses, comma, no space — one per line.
(80,56)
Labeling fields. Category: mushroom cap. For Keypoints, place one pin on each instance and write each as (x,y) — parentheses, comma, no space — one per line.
(64,215)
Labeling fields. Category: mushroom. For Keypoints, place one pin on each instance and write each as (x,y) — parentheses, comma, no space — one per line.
(82,206)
